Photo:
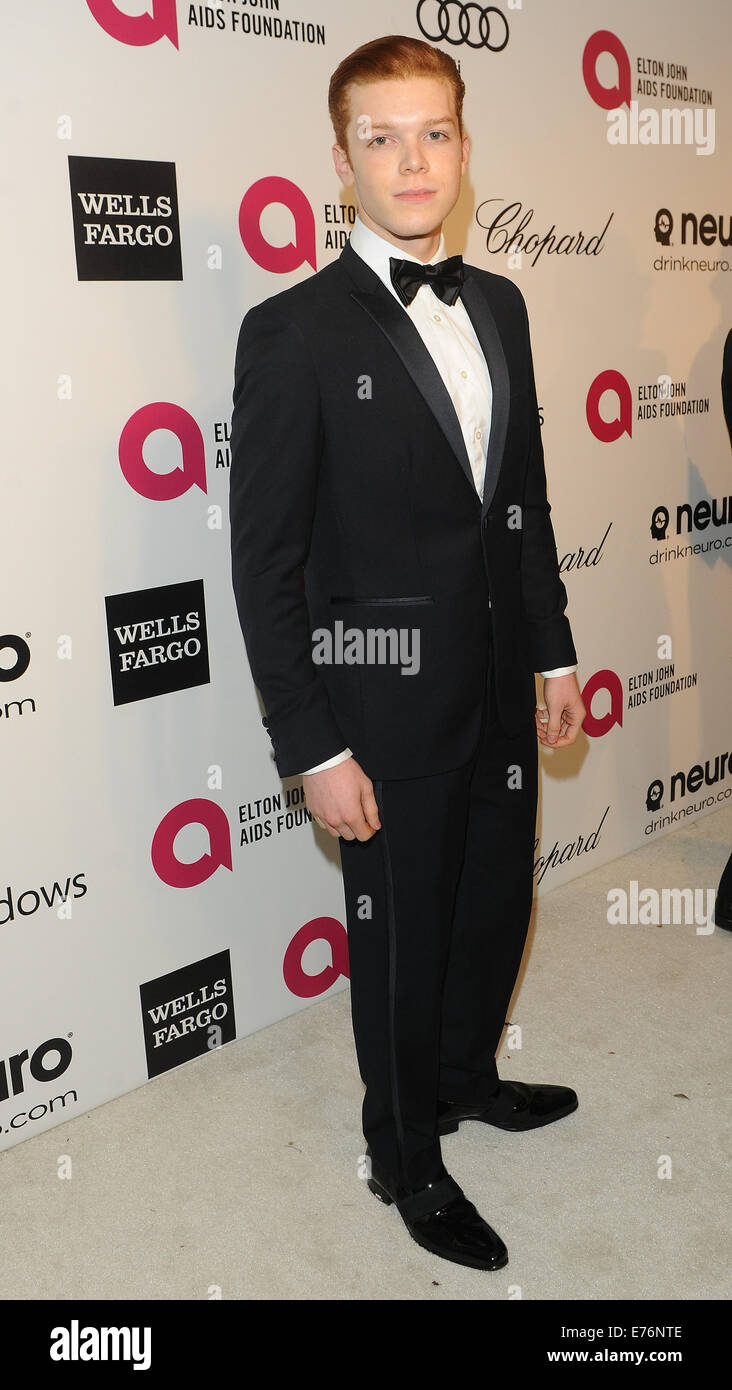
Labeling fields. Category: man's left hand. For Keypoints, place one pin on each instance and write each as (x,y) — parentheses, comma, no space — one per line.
(560,723)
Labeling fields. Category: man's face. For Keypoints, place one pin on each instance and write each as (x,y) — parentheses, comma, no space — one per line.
(405,157)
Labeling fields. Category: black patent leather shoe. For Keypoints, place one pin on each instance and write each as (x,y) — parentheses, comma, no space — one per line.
(441,1219)
(518,1106)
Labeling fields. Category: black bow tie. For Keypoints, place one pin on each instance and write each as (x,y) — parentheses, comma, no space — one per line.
(445,278)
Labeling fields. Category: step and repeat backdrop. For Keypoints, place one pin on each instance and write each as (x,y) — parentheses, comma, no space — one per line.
(162,890)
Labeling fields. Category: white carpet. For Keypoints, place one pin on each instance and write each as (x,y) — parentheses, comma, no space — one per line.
(240,1170)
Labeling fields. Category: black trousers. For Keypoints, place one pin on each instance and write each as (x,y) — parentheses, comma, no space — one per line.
(438,904)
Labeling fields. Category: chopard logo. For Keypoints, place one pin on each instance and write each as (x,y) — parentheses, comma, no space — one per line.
(506,230)
(475,25)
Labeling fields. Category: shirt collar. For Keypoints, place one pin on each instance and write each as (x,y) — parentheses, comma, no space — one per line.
(375,250)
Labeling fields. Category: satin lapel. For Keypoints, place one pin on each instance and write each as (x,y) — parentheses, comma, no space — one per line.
(383,308)
(484,324)
(388,315)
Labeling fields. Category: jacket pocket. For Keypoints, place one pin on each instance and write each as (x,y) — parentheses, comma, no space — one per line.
(348,598)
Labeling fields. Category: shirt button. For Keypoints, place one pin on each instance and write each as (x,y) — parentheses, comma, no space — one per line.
(479,434)
(464,374)
(437,318)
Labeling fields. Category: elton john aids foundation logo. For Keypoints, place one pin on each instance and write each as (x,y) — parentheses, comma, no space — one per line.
(191,472)
(177,872)
(629,124)
(137,29)
(280,259)
(298,980)
(180,873)
(610,403)
(608,430)
(607,681)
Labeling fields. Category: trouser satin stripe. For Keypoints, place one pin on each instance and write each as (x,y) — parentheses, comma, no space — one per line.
(392,951)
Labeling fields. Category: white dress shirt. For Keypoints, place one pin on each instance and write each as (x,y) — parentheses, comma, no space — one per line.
(448,334)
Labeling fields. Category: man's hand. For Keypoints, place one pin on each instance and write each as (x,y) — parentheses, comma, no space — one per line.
(341,800)
(559,724)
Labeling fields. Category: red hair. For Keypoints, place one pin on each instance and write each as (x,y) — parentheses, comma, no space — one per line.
(396,56)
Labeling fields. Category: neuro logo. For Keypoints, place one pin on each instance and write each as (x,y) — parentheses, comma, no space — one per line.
(689,781)
(12,1080)
(602,680)
(318,928)
(176,872)
(693,516)
(10,642)
(663,227)
(607,431)
(162,487)
(659,523)
(654,795)
(609,98)
(705,227)
(137,29)
(279,259)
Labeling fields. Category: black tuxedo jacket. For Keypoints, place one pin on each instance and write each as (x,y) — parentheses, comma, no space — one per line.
(352,499)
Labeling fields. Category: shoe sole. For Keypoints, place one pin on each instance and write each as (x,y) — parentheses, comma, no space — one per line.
(451,1126)
(388,1201)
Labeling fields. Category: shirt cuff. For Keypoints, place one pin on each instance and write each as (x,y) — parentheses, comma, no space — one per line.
(330,762)
(560,671)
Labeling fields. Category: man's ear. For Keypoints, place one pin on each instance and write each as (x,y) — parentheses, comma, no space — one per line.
(342,166)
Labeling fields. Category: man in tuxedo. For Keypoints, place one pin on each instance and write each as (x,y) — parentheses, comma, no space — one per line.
(388,500)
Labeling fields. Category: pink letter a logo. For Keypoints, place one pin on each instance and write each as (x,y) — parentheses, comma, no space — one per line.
(137,29)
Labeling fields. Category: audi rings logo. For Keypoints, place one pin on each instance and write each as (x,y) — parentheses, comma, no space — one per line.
(479,26)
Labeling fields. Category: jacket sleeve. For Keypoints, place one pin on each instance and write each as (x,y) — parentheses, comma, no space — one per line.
(276,441)
(543,595)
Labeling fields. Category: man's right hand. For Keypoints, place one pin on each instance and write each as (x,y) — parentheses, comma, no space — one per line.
(341,800)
